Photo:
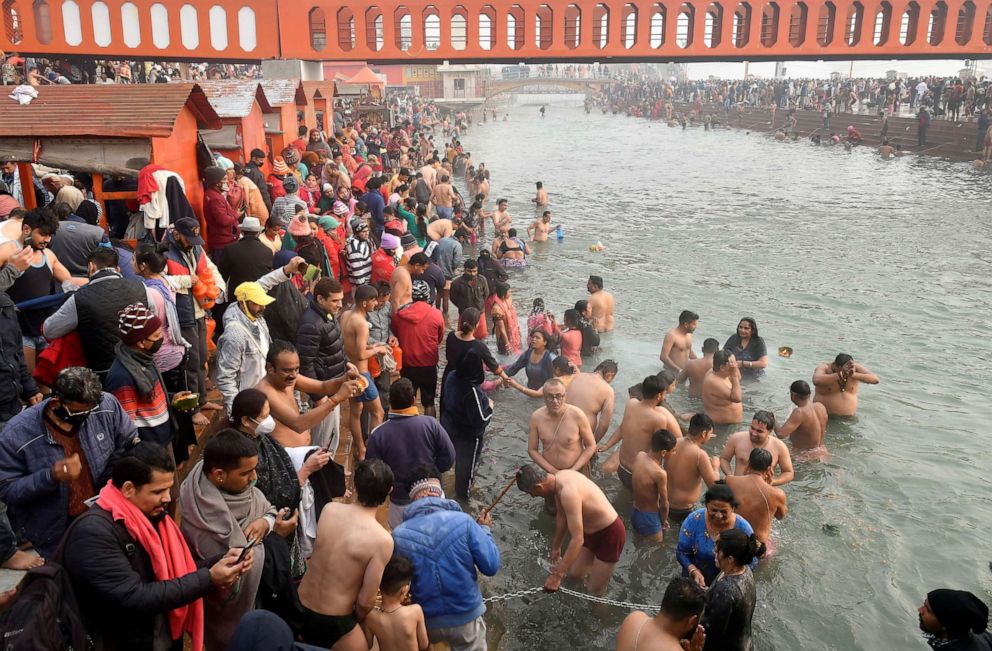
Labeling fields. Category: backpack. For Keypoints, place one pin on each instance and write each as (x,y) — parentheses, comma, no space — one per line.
(45,615)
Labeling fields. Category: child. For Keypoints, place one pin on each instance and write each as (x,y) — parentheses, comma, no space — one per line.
(650,510)
(311,192)
(395,626)
(571,339)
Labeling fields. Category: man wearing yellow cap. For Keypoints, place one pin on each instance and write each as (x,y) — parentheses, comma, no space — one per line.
(242,348)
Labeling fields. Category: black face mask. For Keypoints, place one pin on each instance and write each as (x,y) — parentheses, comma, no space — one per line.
(155,347)
(76,420)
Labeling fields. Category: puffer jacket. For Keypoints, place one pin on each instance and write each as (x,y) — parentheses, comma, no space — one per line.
(446,547)
(320,345)
(15,380)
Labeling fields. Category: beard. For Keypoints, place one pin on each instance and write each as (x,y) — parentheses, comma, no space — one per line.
(156,518)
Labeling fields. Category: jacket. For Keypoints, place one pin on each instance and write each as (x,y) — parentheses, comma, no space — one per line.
(244,261)
(446,547)
(258,178)
(16,382)
(120,600)
(419,327)
(465,410)
(242,349)
(183,263)
(221,219)
(464,295)
(320,345)
(405,442)
(37,502)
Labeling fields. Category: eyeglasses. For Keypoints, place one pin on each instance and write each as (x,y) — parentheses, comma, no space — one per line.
(554,397)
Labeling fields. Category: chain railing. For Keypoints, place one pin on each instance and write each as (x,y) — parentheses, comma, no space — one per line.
(626,605)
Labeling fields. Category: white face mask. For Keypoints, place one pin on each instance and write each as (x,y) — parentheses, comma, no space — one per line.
(265,426)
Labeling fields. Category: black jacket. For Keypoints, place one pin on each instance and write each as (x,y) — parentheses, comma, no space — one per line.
(116,587)
(258,178)
(15,381)
(98,305)
(244,261)
(320,345)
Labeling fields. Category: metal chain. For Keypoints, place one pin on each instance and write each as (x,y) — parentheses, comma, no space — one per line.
(627,605)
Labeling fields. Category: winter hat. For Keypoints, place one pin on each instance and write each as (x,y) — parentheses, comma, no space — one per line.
(390,242)
(290,183)
(279,167)
(291,155)
(421,291)
(137,323)
(299,227)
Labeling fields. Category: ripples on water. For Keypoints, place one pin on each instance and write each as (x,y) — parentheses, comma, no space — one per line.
(830,251)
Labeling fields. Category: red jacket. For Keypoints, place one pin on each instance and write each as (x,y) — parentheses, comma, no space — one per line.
(420,330)
(382,266)
(221,218)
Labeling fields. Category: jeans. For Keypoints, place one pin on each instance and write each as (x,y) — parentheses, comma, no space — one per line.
(467,453)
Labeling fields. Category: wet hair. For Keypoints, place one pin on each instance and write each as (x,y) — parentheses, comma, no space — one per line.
(760,459)
(501,200)
(539,185)
(137,463)
(562,365)
(502,289)
(78,384)
(401,394)
(607,366)
(421,472)
(800,388)
(741,547)
(470,263)
(538,302)
(571,317)
(247,404)
(277,348)
(382,287)
(225,450)
(720,492)
(468,320)
(683,599)
(711,345)
(699,423)
(754,325)
(662,439)
(397,574)
(511,233)
(842,358)
(651,387)
(688,316)
(327,286)
(373,482)
(597,281)
(665,378)
(150,256)
(530,476)
(41,219)
(365,293)
(580,306)
(720,359)
(544,335)
(419,258)
(765,417)
(103,257)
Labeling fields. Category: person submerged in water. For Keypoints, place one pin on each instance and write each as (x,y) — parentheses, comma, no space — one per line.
(807,424)
(759,501)
(837,384)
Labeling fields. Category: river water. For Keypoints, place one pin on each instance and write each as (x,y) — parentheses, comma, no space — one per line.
(830,251)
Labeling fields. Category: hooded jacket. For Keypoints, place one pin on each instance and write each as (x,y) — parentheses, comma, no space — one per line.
(419,327)
(447,547)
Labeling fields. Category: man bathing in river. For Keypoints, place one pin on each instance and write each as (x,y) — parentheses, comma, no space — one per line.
(676,349)
(601,304)
(649,516)
(538,230)
(807,424)
(541,199)
(740,444)
(722,397)
(837,384)
(597,532)
(641,418)
(695,370)
(677,621)
(688,466)
(592,393)
(758,501)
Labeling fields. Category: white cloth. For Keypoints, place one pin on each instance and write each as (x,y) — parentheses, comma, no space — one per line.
(23,94)
(306,525)
(156,211)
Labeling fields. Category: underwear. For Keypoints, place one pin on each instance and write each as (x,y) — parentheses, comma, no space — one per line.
(626,477)
(676,514)
(607,544)
(371,393)
(646,523)
(325,630)
(514,263)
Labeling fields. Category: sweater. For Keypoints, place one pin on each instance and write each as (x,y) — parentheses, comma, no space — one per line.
(419,327)
(405,442)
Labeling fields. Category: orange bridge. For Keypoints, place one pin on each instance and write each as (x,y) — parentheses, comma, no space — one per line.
(499,30)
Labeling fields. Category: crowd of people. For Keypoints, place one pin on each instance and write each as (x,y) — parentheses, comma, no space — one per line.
(183,495)
(40,71)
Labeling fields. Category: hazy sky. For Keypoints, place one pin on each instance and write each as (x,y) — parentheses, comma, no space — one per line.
(823,69)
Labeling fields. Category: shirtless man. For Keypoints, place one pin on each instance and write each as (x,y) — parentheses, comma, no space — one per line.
(676,349)
(641,419)
(837,384)
(561,431)
(355,334)
(281,382)
(678,619)
(538,230)
(688,466)
(722,396)
(439,228)
(601,303)
(695,370)
(400,288)
(502,222)
(758,501)
(597,532)
(342,580)
(541,200)
(740,444)
(649,516)
(592,393)
(443,196)
(807,424)
(430,173)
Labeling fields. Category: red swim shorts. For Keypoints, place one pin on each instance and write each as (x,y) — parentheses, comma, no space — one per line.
(607,544)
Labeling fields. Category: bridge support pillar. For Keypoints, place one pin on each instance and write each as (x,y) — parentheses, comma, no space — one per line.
(293,69)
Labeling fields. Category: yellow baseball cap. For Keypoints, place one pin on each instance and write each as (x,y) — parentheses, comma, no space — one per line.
(252,292)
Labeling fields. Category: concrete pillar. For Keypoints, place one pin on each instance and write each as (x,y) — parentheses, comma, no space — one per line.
(293,69)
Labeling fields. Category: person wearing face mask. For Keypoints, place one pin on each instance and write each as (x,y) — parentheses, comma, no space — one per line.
(54,455)
(221,218)
(241,350)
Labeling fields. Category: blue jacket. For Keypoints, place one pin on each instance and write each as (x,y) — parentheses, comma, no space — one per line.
(38,502)
(446,547)
(405,442)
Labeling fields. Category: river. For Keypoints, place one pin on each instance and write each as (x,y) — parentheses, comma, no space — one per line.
(830,251)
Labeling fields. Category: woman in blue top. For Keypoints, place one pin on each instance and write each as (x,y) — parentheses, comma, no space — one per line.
(748,347)
(701,529)
(537,360)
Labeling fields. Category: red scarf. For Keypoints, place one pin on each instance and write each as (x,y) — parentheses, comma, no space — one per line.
(169,554)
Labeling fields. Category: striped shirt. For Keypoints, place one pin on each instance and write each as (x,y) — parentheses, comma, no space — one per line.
(358,254)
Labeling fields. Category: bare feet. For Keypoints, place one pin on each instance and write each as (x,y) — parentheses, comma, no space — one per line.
(200,420)
(211,406)
(23,561)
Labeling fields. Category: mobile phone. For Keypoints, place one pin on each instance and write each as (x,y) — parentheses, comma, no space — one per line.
(244,550)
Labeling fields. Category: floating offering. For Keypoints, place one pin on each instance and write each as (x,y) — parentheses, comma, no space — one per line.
(784,351)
